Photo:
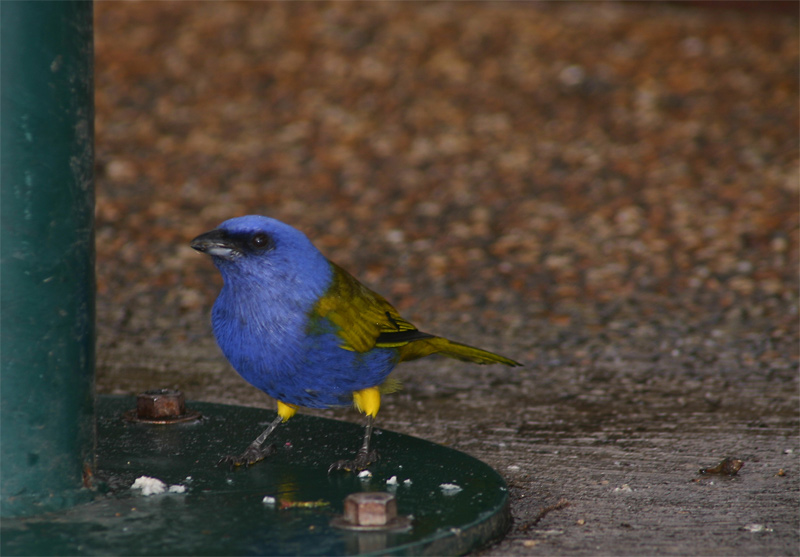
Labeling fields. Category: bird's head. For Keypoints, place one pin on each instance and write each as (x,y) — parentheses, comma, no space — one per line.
(266,250)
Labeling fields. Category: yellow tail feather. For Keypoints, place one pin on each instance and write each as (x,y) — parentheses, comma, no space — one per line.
(463,352)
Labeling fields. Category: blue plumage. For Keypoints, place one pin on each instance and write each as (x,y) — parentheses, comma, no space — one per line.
(263,320)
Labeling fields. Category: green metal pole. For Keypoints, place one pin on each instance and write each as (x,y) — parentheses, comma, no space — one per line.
(46,254)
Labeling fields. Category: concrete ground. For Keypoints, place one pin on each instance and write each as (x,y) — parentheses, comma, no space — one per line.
(605,192)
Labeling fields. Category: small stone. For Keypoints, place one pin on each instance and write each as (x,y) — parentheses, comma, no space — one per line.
(120,169)
(572,75)
(756,528)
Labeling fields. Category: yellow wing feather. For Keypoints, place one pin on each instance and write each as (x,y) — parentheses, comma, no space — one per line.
(366,320)
(360,314)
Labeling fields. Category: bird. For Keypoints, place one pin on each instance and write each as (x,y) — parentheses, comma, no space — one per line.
(303,330)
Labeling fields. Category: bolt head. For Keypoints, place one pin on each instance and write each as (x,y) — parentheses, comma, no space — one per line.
(370,508)
(160,404)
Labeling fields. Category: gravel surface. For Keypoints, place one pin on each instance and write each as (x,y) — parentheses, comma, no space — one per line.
(605,192)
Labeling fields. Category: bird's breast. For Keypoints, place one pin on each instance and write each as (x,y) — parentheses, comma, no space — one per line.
(254,330)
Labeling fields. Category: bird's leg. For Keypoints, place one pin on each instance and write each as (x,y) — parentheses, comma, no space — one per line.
(367,400)
(364,454)
(363,458)
(256,450)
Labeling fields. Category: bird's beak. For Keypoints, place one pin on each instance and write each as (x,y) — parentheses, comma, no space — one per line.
(216,243)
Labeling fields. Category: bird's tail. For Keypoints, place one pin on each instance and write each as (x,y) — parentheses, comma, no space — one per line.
(463,352)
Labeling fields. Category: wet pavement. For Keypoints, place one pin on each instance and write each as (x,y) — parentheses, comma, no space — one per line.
(605,192)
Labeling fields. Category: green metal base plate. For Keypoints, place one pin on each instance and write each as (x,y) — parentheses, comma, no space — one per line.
(222,511)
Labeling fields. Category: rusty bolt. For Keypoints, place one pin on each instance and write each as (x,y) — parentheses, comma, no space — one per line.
(371,511)
(161,406)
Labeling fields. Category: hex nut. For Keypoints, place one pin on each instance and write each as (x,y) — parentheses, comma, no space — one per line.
(370,508)
(371,511)
(159,404)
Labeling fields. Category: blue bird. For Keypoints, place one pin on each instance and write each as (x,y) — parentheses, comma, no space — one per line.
(304,331)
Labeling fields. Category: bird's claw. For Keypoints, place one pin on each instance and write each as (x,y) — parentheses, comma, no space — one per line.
(250,456)
(359,463)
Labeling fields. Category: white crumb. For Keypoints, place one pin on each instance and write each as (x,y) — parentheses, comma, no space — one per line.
(149,486)
(450,489)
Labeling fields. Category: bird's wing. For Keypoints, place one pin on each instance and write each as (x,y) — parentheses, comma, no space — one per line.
(365,319)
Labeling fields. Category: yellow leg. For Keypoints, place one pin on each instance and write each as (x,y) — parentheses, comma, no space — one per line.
(368,401)
(286,410)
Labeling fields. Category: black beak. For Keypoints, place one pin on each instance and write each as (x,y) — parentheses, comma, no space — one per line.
(216,243)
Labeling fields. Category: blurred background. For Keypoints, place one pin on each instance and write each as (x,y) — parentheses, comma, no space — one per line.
(607,192)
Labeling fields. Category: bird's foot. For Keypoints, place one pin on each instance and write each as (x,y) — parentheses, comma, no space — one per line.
(250,456)
(359,463)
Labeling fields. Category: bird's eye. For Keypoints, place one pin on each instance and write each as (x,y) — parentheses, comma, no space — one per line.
(260,241)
